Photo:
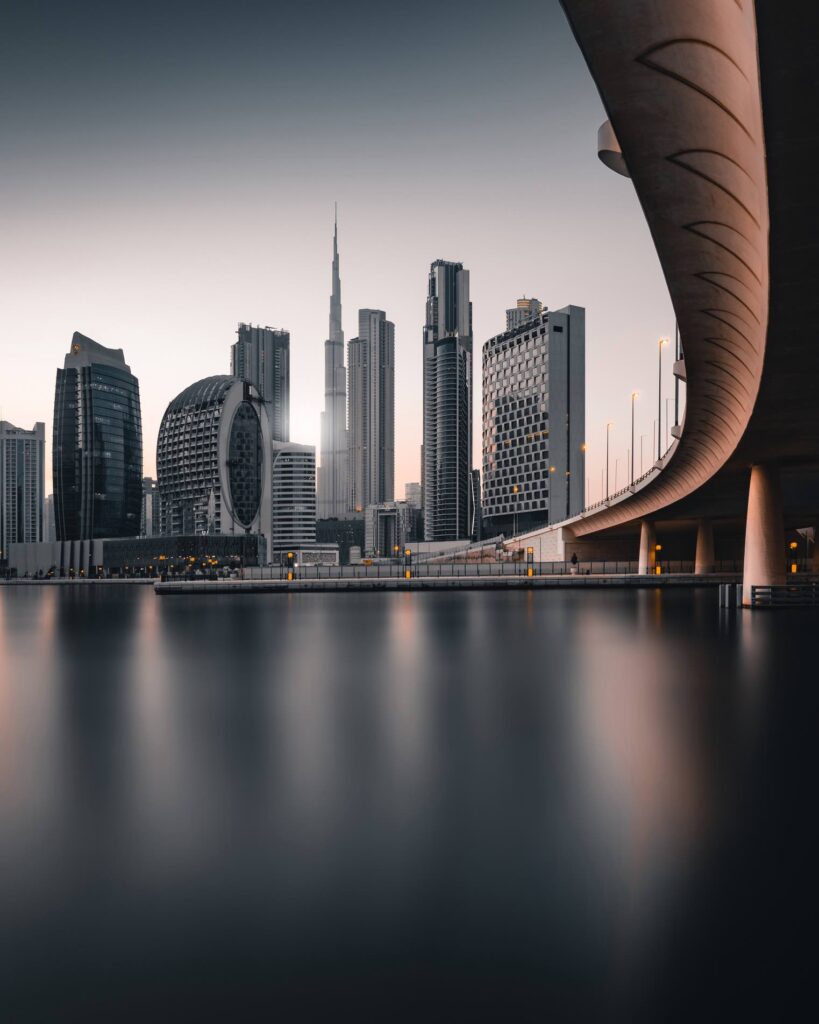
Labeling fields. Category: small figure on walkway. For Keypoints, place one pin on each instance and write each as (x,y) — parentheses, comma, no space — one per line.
(574,558)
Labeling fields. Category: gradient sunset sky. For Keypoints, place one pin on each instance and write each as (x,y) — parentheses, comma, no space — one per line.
(169,169)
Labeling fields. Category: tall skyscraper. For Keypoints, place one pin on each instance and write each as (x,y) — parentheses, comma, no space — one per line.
(371,458)
(447,403)
(333,486)
(534,422)
(261,357)
(97,449)
(22,485)
(522,312)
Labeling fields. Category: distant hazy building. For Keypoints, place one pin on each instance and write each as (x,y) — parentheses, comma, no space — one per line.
(388,528)
(213,460)
(261,356)
(534,422)
(447,403)
(49,532)
(22,485)
(371,434)
(97,445)
(293,496)
(522,312)
(149,521)
(333,482)
(412,495)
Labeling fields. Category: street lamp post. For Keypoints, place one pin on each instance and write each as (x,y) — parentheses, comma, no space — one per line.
(633,396)
(608,431)
(661,343)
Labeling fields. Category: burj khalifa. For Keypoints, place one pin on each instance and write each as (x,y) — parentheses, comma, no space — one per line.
(333,489)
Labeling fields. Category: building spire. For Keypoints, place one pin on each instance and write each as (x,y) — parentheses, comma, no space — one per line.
(336,333)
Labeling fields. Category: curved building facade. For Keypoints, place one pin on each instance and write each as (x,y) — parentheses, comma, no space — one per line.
(213,460)
(97,446)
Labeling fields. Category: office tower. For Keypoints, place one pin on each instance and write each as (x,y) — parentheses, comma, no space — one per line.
(22,485)
(333,485)
(534,423)
(149,520)
(388,528)
(371,437)
(261,356)
(523,311)
(447,402)
(49,532)
(213,460)
(412,495)
(97,447)
(475,508)
(293,494)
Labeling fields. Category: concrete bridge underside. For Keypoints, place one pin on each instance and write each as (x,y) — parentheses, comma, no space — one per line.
(711,117)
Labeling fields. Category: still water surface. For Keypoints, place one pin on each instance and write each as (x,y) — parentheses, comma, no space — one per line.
(546,805)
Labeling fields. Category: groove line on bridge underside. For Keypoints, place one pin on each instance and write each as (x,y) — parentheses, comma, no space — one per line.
(718,343)
(733,376)
(674,158)
(707,275)
(726,248)
(713,314)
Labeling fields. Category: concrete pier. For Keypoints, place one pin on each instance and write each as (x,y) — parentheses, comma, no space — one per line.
(704,557)
(764,532)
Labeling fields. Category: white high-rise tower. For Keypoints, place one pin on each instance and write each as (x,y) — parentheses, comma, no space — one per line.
(333,489)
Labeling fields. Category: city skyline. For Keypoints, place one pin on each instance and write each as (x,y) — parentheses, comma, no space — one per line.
(148,227)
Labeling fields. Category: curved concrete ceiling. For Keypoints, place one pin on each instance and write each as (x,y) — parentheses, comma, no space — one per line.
(680,82)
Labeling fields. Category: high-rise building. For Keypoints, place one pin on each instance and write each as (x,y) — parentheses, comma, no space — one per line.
(475,506)
(522,312)
(388,528)
(447,403)
(371,437)
(293,496)
(412,495)
(534,422)
(22,485)
(333,485)
(261,356)
(149,521)
(213,460)
(97,449)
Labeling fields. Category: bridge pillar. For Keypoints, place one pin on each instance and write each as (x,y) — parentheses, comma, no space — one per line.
(648,548)
(814,564)
(764,532)
(704,557)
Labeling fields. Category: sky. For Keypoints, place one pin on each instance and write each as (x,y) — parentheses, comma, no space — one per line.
(168,170)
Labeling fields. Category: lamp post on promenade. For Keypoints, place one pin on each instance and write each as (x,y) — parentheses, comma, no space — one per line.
(661,343)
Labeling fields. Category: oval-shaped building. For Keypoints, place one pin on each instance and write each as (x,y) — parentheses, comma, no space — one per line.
(213,460)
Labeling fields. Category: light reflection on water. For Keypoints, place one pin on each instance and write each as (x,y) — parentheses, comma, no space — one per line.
(487,798)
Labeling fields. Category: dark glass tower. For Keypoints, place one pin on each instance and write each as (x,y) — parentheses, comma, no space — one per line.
(447,403)
(97,448)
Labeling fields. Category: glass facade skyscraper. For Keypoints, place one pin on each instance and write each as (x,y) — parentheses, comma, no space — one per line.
(97,446)
(371,458)
(447,403)
(261,356)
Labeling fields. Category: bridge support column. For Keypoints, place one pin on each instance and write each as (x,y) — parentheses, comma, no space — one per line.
(814,562)
(704,557)
(648,548)
(764,532)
